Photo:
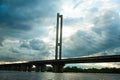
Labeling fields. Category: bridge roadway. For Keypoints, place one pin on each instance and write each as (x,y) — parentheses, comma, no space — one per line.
(58,64)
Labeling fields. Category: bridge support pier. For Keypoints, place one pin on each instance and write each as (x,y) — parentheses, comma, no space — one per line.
(29,68)
(58,68)
(40,68)
(23,68)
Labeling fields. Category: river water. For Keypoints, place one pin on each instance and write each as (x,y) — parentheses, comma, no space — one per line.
(14,75)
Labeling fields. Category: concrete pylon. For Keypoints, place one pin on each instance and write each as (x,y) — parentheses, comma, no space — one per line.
(58,68)
(40,68)
(58,49)
(29,67)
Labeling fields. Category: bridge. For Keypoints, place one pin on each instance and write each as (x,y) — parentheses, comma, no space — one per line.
(58,63)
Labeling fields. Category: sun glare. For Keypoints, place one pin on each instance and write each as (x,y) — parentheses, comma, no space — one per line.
(67,32)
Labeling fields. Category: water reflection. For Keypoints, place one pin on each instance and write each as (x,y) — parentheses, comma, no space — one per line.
(11,75)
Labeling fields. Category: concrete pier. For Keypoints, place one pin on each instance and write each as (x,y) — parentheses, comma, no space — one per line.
(40,68)
(58,68)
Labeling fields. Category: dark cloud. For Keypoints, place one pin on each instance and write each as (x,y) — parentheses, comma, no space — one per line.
(37,44)
(9,55)
(34,44)
(25,44)
(82,44)
(110,30)
(28,50)
(7,58)
(13,50)
(27,21)
(40,46)
(102,37)
(18,17)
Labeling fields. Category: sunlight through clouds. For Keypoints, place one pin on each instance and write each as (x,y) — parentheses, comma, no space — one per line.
(28,28)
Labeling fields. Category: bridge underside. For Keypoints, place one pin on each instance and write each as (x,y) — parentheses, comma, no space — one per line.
(57,64)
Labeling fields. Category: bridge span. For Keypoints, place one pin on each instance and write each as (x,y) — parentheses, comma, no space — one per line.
(58,64)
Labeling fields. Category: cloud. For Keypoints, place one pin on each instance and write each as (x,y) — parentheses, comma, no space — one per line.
(21,50)
(26,20)
(78,3)
(27,28)
(37,44)
(25,17)
(38,48)
(103,37)
(25,44)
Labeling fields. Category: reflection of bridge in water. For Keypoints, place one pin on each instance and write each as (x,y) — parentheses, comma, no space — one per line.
(58,63)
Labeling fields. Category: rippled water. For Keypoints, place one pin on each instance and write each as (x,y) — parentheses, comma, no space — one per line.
(13,75)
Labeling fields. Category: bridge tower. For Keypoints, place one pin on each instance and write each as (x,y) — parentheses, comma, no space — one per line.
(58,49)
(58,67)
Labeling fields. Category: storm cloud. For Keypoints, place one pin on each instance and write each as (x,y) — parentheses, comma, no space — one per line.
(22,17)
(27,28)
(101,39)
(21,22)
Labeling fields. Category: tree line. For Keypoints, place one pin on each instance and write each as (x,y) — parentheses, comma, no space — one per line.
(89,70)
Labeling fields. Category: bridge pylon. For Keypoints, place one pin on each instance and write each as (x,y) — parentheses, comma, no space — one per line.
(58,67)
(58,49)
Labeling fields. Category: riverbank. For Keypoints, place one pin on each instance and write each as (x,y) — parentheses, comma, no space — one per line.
(89,70)
(92,70)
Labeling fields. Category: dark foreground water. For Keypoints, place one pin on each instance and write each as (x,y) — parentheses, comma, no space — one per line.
(12,75)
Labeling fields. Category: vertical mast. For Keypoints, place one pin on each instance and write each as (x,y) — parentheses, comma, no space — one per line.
(58,49)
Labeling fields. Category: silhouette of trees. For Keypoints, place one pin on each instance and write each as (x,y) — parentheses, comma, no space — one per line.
(92,70)
(72,69)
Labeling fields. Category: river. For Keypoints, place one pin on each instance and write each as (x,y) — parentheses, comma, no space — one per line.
(15,75)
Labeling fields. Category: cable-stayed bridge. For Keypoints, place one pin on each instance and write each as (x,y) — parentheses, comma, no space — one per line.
(58,63)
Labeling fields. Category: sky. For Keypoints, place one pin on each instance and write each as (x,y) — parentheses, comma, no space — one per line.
(28,29)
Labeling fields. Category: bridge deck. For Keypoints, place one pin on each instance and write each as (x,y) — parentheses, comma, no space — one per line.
(95,59)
